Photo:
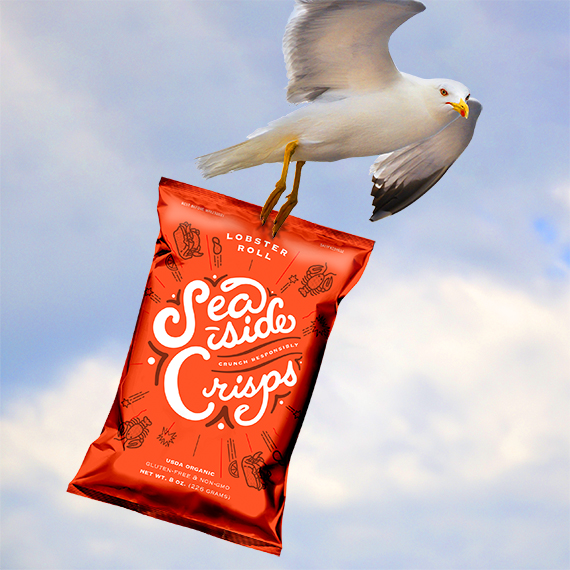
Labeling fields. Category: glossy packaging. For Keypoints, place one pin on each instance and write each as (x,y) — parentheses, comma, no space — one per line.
(224,358)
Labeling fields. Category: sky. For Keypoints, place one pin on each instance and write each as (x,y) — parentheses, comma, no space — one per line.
(438,433)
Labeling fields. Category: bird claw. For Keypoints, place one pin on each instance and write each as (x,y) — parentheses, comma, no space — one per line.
(291,201)
(271,201)
(283,214)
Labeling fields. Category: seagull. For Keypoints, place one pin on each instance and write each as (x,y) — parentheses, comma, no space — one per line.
(357,103)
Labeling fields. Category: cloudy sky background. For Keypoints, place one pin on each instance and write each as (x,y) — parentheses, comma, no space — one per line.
(438,432)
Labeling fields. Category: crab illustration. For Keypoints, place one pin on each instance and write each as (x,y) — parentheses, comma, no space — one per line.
(134,431)
(316,280)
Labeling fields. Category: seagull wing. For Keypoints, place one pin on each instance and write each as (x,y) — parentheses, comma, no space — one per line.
(403,176)
(342,44)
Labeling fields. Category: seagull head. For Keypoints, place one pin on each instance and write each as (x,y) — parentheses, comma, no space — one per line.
(452,95)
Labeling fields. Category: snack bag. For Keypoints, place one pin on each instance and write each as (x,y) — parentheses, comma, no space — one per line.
(224,358)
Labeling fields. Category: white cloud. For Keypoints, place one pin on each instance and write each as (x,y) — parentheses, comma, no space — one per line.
(561,195)
(48,431)
(435,388)
(443,391)
(437,384)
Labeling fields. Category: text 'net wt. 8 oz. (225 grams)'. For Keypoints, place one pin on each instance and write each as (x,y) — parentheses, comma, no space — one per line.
(224,358)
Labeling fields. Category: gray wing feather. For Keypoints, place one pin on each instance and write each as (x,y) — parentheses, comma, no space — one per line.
(341,44)
(403,176)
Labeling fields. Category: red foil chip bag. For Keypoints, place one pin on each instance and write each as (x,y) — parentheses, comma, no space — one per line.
(224,358)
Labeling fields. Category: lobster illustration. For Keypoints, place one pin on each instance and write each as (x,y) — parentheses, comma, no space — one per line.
(133,432)
(316,280)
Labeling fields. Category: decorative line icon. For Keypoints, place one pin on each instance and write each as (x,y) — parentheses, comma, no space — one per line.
(316,280)
(233,469)
(171,265)
(187,241)
(126,402)
(253,466)
(278,398)
(216,280)
(133,432)
(217,251)
(319,326)
(162,359)
(224,414)
(296,413)
(148,292)
(292,279)
(166,437)
(268,440)
(175,298)
(233,464)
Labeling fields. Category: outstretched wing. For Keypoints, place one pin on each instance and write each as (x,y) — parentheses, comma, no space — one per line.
(403,176)
(341,44)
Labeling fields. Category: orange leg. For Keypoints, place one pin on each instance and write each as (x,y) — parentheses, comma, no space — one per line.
(281,183)
(291,200)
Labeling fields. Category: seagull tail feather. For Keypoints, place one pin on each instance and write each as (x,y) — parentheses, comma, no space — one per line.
(252,152)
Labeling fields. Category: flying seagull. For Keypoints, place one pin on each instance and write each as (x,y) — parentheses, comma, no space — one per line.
(359,104)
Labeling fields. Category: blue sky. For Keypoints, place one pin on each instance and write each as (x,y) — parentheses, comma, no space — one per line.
(438,433)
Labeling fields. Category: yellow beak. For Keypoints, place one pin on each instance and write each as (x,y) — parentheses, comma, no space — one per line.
(461,107)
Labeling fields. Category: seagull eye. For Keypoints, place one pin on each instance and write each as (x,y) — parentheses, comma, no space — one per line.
(444,92)
(467,98)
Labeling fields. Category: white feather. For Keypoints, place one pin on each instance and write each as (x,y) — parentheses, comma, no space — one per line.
(337,59)
(402,176)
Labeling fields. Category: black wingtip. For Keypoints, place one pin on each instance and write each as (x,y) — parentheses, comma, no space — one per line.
(379,215)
